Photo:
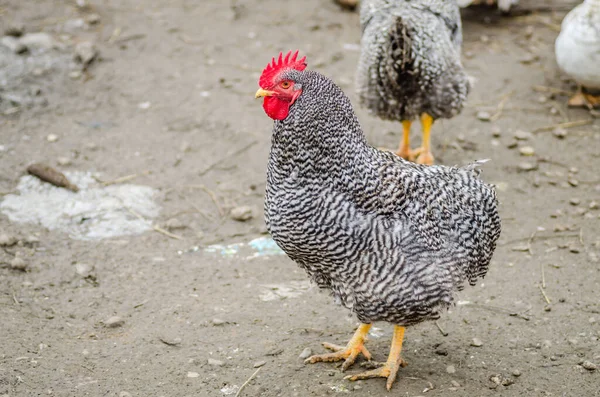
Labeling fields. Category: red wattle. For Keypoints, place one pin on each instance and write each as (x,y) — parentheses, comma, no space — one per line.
(276,108)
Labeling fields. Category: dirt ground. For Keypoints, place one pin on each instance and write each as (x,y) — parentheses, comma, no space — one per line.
(170,100)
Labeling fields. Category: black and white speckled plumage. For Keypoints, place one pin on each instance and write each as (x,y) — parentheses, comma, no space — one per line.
(391,240)
(410,59)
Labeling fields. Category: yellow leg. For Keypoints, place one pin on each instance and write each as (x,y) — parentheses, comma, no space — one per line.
(393,363)
(349,353)
(424,152)
(404,148)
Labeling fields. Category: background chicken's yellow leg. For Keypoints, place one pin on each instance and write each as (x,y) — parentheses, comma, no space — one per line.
(404,148)
(393,363)
(424,152)
(349,352)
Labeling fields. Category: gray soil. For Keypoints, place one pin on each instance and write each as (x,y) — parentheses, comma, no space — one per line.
(170,99)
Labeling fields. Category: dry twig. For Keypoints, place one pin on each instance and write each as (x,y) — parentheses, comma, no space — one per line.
(499,309)
(544,294)
(155,227)
(500,106)
(212,195)
(444,333)
(246,382)
(234,153)
(122,179)
(543,276)
(569,124)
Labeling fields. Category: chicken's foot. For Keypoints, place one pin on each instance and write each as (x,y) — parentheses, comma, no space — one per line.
(348,353)
(584,99)
(393,363)
(423,154)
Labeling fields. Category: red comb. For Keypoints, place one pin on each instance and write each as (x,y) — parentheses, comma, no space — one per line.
(282,63)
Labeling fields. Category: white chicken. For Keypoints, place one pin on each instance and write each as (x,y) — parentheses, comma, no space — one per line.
(577,51)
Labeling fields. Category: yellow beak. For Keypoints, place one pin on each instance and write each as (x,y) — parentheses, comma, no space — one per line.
(263,93)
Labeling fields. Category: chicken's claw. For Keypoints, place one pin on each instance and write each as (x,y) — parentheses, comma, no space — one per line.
(389,371)
(348,353)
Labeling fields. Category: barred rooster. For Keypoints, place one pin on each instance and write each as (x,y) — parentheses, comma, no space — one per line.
(410,66)
(391,240)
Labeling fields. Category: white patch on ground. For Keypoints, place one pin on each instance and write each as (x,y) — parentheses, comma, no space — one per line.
(262,246)
(93,213)
(293,289)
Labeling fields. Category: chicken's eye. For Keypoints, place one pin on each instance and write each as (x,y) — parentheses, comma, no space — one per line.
(285,84)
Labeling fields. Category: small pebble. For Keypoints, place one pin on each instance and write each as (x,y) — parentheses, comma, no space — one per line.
(455,383)
(215,362)
(124,394)
(114,322)
(85,52)
(529,31)
(38,40)
(450,369)
(7,240)
(15,30)
(63,161)
(18,263)
(174,224)
(574,250)
(516,373)
(476,342)
(593,206)
(559,133)
(574,201)
(84,270)
(507,381)
(522,135)
(483,116)
(75,74)
(306,353)
(573,170)
(92,19)
(13,44)
(168,340)
(547,308)
(218,321)
(590,366)
(52,138)
(526,167)
(512,144)
(497,379)
(259,364)
(496,131)
(527,151)
(242,213)
(193,374)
